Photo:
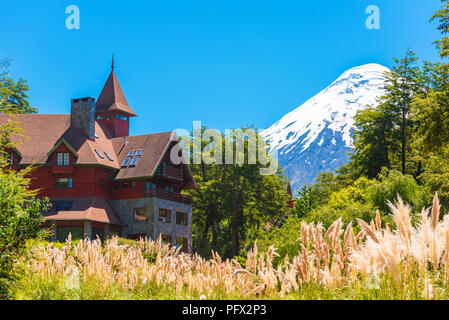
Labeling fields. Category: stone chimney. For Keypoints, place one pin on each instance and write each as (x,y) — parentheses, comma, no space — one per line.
(82,115)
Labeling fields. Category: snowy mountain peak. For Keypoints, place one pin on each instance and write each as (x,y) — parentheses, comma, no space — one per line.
(324,122)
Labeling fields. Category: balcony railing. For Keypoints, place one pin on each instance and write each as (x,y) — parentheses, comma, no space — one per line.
(166,195)
(170,172)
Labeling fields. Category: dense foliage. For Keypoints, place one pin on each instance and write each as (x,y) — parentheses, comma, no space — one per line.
(20,210)
(233,202)
(380,262)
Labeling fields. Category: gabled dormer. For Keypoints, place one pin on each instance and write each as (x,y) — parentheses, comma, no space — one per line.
(112,109)
(62,157)
(12,157)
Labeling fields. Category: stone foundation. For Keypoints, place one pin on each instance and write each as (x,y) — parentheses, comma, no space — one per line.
(152,227)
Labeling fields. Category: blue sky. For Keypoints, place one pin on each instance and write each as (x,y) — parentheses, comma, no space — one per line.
(226,63)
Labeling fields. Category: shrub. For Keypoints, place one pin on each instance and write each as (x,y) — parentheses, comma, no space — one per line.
(392,184)
(20,219)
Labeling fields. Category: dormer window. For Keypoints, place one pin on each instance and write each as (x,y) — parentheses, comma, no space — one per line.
(126,162)
(135,160)
(9,157)
(99,154)
(62,159)
(109,156)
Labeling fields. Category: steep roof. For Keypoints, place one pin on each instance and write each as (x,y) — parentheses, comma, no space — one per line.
(154,147)
(86,208)
(112,98)
(43,131)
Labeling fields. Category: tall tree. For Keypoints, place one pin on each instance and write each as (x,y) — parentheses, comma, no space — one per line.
(374,140)
(13,94)
(403,83)
(442,16)
(383,132)
(233,200)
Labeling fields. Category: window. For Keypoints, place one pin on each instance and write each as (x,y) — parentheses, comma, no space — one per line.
(126,162)
(9,157)
(63,183)
(164,216)
(139,152)
(119,116)
(133,184)
(100,183)
(63,232)
(149,186)
(181,218)
(99,154)
(109,156)
(62,159)
(125,185)
(168,189)
(165,238)
(140,214)
(135,160)
(116,185)
(130,154)
(60,205)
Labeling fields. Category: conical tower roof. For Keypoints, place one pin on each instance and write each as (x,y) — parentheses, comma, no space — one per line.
(112,98)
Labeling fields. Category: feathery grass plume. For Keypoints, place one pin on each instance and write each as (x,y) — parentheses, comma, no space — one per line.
(411,261)
(435,211)
(367,230)
(401,216)
(378,221)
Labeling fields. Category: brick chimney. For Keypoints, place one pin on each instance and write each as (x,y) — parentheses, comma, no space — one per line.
(82,115)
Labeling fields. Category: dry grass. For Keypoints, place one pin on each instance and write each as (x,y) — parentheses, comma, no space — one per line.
(406,262)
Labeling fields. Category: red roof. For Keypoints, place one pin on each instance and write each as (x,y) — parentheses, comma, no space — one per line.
(44,131)
(154,147)
(86,208)
(112,98)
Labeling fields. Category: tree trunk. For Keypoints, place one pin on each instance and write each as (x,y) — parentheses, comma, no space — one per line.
(238,215)
(404,141)
(213,226)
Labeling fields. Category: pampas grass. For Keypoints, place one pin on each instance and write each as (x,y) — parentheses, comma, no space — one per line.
(404,262)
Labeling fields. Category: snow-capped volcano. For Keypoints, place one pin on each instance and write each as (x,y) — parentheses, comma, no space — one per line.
(316,136)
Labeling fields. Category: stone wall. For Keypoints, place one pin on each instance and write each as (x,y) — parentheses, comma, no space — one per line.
(152,227)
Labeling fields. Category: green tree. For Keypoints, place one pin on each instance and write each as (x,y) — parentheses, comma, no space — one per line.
(13,94)
(325,185)
(374,140)
(384,132)
(306,201)
(391,184)
(442,16)
(20,209)
(233,201)
(20,220)
(431,110)
(349,203)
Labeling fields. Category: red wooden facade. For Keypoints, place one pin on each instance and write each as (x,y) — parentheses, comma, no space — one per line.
(79,158)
